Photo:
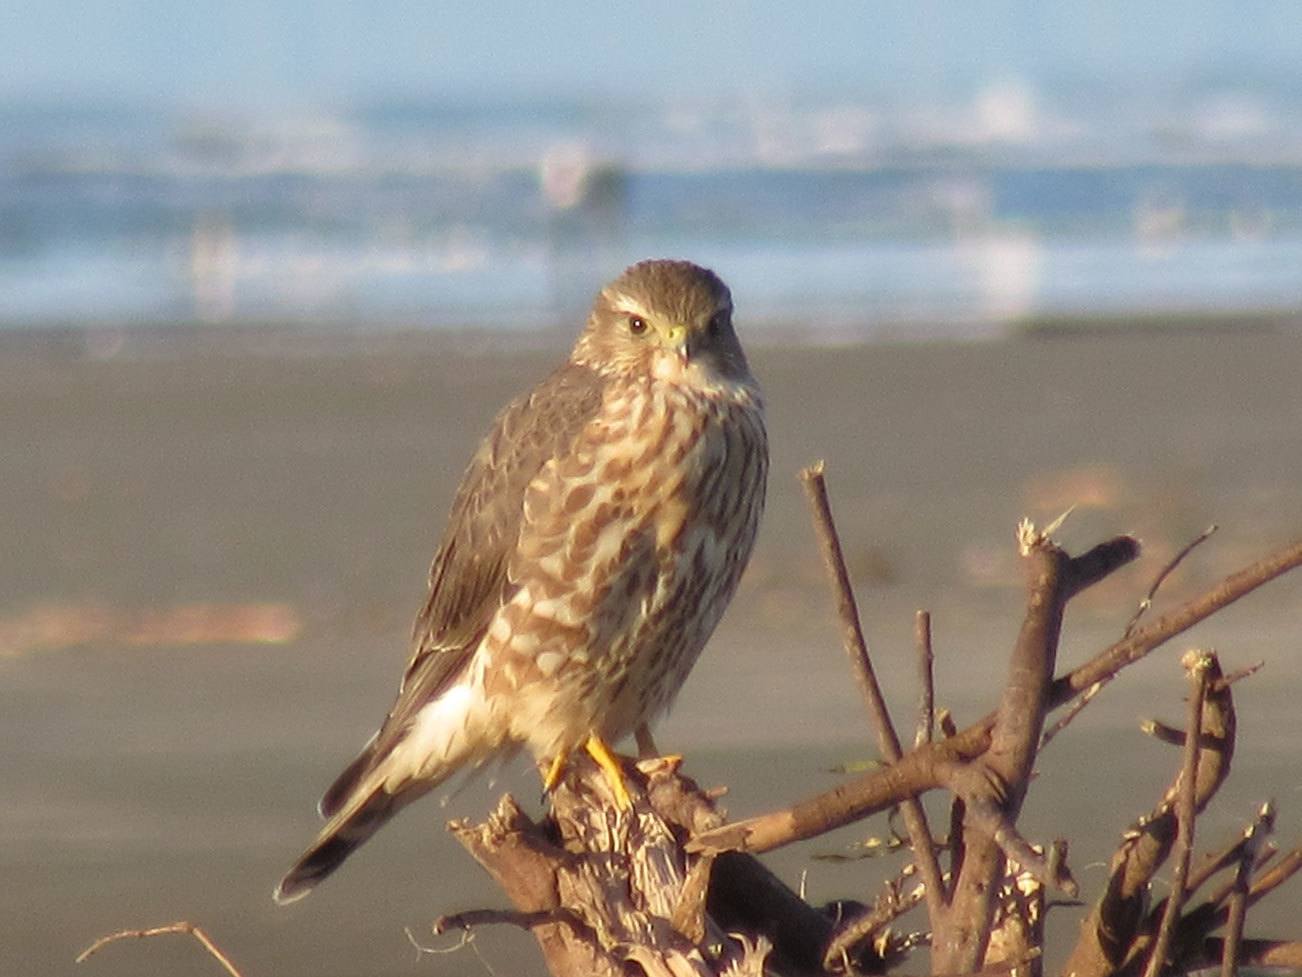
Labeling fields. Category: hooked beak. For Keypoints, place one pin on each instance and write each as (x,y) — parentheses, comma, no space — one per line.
(676,340)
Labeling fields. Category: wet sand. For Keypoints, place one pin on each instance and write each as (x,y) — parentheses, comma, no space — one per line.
(174,775)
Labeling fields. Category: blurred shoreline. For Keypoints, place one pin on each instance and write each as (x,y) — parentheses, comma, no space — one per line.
(110,339)
(964,217)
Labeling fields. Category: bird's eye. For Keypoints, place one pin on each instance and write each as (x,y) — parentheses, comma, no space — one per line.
(636,325)
(715,325)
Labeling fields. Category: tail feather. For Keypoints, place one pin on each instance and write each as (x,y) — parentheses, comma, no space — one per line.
(338,793)
(444,736)
(342,835)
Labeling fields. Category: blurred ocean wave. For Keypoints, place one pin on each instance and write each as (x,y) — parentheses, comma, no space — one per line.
(833,216)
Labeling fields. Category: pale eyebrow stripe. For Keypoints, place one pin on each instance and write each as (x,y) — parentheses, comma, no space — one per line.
(626,303)
(623,302)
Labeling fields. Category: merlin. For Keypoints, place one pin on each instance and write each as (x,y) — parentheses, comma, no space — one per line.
(597,536)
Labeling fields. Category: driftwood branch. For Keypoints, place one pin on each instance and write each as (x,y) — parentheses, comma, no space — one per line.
(1254,839)
(856,647)
(1115,926)
(1088,696)
(960,943)
(918,771)
(1028,697)
(1214,912)
(600,888)
(472,918)
(889,905)
(521,859)
(1198,664)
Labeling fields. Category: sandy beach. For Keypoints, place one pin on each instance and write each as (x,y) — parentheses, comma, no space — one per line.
(213,552)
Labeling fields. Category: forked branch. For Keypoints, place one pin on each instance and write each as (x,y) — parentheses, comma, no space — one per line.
(917,772)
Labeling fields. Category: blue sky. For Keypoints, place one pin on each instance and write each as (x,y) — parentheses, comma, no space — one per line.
(247,53)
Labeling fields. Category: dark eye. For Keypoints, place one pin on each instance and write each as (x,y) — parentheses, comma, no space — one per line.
(716,323)
(636,325)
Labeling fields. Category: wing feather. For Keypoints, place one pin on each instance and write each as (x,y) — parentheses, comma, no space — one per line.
(468,579)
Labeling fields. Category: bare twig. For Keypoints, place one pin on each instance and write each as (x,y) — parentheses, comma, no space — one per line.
(1239,674)
(1131,649)
(1213,907)
(1198,664)
(1089,694)
(1215,862)
(181,926)
(1164,733)
(1280,873)
(1213,912)
(1073,710)
(888,741)
(890,904)
(1283,870)
(926,678)
(505,917)
(1050,869)
(1162,574)
(1238,909)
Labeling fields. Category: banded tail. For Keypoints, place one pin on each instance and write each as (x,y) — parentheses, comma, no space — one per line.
(390,773)
(342,835)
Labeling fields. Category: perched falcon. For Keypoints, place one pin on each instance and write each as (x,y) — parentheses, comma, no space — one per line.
(593,545)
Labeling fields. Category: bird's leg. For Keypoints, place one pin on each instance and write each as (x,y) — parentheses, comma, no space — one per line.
(647,749)
(599,751)
(646,746)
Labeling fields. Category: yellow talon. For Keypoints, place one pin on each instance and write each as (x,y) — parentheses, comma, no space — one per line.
(598,750)
(554,772)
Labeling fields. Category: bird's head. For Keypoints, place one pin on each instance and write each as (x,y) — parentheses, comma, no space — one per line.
(666,319)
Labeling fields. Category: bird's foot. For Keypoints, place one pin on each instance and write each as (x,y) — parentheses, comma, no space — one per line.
(609,763)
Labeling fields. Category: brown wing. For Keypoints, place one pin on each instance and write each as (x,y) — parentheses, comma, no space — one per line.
(468,579)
